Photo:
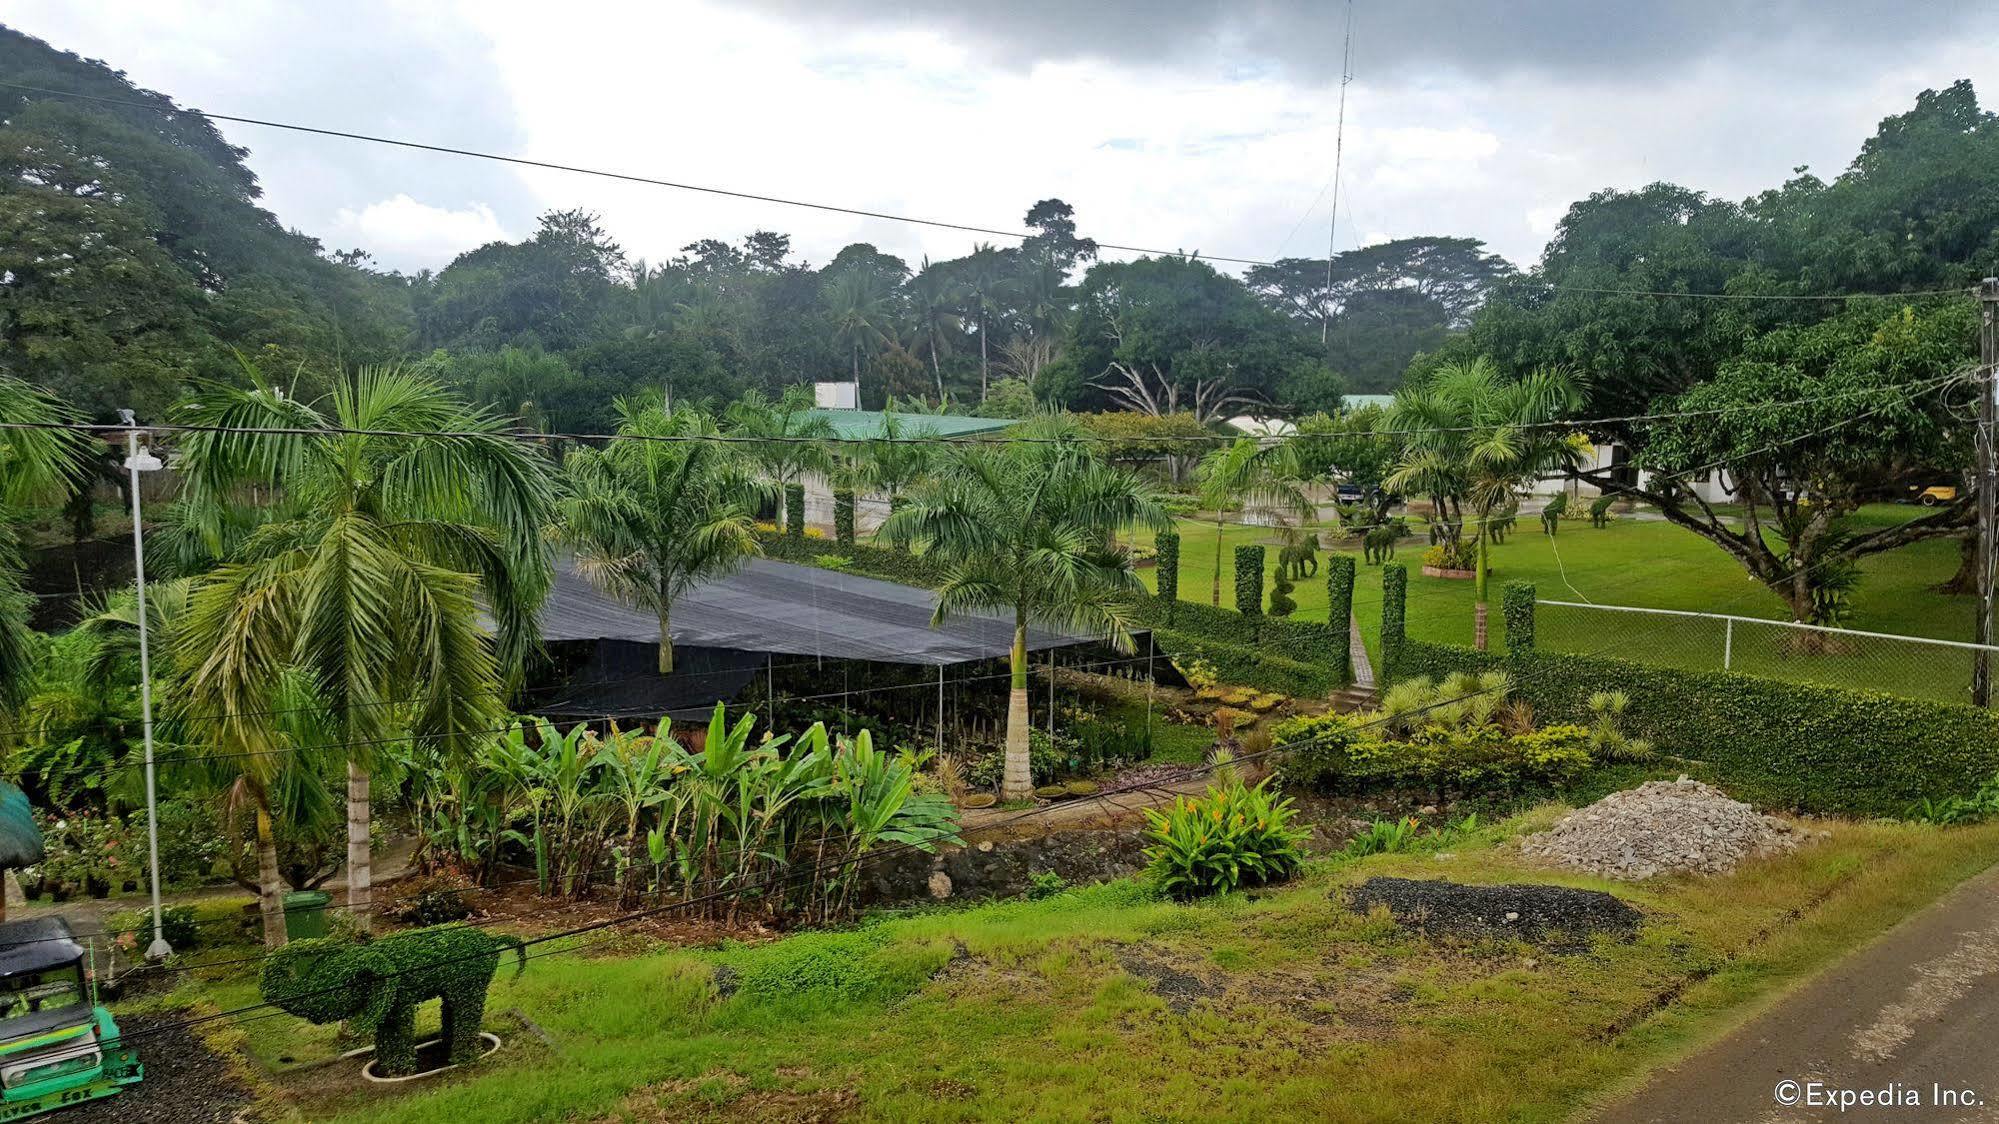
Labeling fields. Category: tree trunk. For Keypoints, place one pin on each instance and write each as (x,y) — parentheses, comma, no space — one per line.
(1017,780)
(665,644)
(1965,581)
(983,381)
(1479,605)
(270,892)
(1215,594)
(360,854)
(937,369)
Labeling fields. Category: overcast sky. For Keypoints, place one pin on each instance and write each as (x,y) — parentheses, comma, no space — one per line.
(1189,124)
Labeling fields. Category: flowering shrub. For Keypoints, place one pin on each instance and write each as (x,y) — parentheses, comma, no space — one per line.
(83,853)
(1232,837)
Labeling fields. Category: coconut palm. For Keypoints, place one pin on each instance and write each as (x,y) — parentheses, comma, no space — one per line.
(1022,526)
(1473,439)
(369,572)
(37,464)
(787,435)
(651,519)
(933,316)
(1249,477)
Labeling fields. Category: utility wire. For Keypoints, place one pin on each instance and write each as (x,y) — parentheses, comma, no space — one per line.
(627,177)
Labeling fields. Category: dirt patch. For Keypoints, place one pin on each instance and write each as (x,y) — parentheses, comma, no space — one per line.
(1515,910)
(518,909)
(1177,986)
(682,1101)
(186,1082)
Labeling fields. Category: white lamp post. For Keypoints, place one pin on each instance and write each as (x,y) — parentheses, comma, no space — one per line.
(139,459)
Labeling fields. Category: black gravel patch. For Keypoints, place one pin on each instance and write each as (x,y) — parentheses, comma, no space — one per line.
(1179,988)
(1516,910)
(186,1082)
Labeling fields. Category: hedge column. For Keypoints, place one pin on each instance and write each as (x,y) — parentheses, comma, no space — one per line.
(1339,610)
(794,510)
(1249,580)
(1394,603)
(1516,602)
(1166,553)
(843,519)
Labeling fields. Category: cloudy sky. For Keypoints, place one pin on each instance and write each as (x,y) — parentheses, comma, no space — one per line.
(1184,124)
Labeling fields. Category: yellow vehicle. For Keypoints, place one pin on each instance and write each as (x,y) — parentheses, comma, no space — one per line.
(1934,494)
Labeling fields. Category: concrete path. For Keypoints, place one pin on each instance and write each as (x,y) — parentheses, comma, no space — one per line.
(1915,1013)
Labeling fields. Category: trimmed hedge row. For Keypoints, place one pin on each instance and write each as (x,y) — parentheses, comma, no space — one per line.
(871,561)
(1307,642)
(1774,743)
(1246,666)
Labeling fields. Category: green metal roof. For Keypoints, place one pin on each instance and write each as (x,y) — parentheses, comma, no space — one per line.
(1361,401)
(853,424)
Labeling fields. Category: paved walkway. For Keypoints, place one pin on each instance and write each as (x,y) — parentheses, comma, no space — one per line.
(1919,1007)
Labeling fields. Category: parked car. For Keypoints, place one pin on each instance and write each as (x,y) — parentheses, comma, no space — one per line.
(1932,495)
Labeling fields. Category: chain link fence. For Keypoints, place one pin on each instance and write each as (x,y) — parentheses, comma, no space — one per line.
(1915,666)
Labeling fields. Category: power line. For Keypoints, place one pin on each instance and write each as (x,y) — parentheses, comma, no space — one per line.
(808,204)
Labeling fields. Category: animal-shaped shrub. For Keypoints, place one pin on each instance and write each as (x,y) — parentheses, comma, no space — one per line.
(1379,545)
(377,985)
(1551,515)
(1599,511)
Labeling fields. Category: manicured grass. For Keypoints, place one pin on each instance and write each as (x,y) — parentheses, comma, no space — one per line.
(1651,564)
(1289,1006)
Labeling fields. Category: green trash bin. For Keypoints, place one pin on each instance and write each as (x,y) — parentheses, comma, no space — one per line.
(305,913)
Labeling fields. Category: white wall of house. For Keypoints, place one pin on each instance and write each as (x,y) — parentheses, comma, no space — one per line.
(1712,486)
(869,511)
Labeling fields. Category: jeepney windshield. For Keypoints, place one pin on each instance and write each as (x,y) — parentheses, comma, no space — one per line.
(41,991)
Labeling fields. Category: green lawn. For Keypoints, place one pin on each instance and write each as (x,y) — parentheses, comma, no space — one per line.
(1105,1004)
(1651,564)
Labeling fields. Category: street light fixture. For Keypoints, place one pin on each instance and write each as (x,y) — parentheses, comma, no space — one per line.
(138,459)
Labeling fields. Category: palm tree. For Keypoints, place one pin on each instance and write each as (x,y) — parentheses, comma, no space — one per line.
(896,460)
(984,273)
(652,519)
(1473,439)
(933,298)
(862,316)
(1248,476)
(369,572)
(788,435)
(37,463)
(1022,526)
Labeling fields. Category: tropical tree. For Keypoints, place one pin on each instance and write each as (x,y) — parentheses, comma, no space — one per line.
(861,315)
(786,436)
(398,513)
(658,513)
(896,460)
(1027,526)
(984,274)
(933,315)
(1248,477)
(37,463)
(1474,439)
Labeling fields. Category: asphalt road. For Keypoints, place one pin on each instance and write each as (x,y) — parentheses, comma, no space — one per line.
(1914,1015)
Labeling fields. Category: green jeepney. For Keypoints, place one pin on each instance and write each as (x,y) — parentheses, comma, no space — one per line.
(57,1045)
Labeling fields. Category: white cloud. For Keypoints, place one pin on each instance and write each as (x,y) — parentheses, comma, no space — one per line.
(400,230)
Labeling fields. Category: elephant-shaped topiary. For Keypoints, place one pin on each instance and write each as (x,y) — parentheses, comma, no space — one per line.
(378,984)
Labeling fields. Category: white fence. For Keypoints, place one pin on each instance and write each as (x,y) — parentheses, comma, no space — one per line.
(1917,666)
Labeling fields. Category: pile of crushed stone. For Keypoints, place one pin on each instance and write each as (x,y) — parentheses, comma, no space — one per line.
(1661,827)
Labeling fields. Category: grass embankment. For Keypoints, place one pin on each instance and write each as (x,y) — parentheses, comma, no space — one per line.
(1651,564)
(1105,1004)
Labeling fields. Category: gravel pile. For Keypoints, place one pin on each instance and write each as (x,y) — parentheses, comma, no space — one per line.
(1661,827)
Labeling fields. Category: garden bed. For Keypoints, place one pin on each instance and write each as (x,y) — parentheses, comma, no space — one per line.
(1453,575)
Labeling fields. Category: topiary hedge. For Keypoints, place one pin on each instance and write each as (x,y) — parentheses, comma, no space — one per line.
(843,519)
(1394,607)
(872,561)
(1339,608)
(1807,747)
(1517,604)
(794,510)
(1247,666)
(1166,551)
(1249,580)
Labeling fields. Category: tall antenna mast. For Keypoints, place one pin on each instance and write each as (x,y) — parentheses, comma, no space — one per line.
(1339,151)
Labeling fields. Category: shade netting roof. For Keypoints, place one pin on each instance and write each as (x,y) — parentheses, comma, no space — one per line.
(781,607)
